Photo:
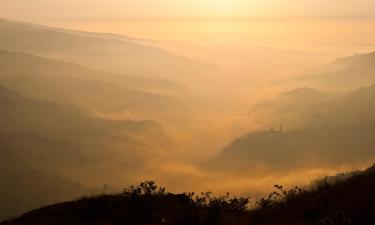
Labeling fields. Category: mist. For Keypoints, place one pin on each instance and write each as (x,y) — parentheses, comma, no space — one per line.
(89,107)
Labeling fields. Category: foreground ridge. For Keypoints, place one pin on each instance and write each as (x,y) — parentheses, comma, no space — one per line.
(342,199)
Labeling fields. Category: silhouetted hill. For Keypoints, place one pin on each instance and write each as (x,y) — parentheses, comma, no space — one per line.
(337,131)
(346,201)
(303,148)
(340,200)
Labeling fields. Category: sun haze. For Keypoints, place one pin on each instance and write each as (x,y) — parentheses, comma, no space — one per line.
(197,95)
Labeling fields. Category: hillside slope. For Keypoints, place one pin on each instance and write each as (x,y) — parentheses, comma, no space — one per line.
(346,201)
(344,74)
(335,131)
(99,53)
(290,108)
(46,149)
(52,80)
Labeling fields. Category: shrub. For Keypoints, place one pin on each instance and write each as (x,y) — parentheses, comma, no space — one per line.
(280,195)
(144,188)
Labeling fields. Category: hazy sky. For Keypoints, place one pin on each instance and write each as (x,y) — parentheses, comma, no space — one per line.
(269,22)
(47,10)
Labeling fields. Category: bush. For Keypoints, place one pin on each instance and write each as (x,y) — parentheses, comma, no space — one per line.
(205,199)
(280,195)
(144,188)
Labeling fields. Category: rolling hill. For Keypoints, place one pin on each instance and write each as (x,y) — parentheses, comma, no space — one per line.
(332,132)
(291,108)
(344,74)
(48,118)
(52,80)
(48,148)
(105,54)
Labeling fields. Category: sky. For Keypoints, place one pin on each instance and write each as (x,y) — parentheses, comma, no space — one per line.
(236,21)
(141,9)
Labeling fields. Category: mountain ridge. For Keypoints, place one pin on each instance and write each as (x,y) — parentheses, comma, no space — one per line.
(99,53)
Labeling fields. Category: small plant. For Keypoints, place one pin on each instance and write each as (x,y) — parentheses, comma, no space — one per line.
(280,195)
(204,200)
(144,188)
(223,202)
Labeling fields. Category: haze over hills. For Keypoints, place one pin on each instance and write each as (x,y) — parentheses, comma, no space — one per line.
(46,120)
(344,74)
(328,132)
(237,60)
(324,83)
(202,80)
(52,80)
(84,110)
(290,107)
(248,61)
(254,98)
(58,145)
(110,55)
(14,121)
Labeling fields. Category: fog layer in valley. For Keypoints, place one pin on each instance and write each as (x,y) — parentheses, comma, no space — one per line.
(84,113)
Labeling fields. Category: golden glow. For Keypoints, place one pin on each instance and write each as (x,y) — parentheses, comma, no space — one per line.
(290,35)
(97,9)
(265,22)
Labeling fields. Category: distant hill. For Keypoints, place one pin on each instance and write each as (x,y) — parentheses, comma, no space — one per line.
(97,52)
(306,95)
(348,200)
(50,129)
(332,132)
(237,60)
(296,98)
(33,63)
(55,120)
(291,108)
(53,80)
(47,148)
(344,74)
